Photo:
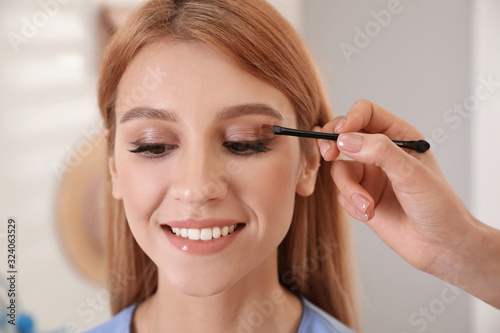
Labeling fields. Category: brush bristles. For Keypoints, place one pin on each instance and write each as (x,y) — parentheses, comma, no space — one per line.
(267,129)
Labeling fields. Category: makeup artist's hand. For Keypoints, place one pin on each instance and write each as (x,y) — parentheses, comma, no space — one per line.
(405,199)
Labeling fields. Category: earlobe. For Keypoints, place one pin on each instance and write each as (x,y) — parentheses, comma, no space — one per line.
(307,179)
(114,178)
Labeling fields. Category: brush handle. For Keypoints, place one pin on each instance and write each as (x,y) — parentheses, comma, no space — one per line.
(421,146)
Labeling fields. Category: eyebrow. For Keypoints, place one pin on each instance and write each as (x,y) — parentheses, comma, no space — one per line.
(235,111)
(149,113)
(227,113)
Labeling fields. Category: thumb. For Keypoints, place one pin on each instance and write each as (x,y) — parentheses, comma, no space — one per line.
(401,168)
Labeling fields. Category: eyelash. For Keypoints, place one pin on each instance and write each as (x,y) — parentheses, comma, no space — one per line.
(246,148)
(239,148)
(148,150)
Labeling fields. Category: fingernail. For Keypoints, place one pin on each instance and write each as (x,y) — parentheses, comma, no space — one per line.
(362,216)
(339,125)
(350,142)
(324,146)
(360,202)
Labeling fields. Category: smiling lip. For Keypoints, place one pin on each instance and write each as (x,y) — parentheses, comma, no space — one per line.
(200,224)
(200,246)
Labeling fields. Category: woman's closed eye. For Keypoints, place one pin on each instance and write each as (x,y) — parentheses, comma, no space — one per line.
(153,150)
(246,147)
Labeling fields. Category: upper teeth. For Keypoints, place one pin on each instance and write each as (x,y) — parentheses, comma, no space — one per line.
(205,233)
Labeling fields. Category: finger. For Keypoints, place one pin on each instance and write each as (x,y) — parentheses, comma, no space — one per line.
(403,170)
(352,210)
(328,148)
(358,202)
(374,181)
(349,208)
(366,116)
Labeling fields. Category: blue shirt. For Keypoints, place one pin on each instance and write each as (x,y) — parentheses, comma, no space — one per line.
(314,320)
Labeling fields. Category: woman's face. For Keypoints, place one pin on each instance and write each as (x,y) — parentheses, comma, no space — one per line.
(191,163)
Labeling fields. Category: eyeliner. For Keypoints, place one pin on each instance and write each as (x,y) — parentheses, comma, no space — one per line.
(420,146)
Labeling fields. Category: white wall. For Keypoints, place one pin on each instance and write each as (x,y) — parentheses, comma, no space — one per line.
(48,100)
(418,65)
(291,10)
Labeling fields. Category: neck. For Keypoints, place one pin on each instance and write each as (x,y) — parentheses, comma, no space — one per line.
(255,303)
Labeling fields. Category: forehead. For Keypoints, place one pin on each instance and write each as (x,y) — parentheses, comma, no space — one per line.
(192,76)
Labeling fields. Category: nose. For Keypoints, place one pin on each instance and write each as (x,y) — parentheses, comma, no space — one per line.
(200,177)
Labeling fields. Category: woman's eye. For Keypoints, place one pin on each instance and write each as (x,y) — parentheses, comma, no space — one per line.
(154,150)
(246,148)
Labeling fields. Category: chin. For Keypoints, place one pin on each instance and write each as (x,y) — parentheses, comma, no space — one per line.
(203,281)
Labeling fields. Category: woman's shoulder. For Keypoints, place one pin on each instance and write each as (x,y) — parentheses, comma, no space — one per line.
(318,321)
(118,324)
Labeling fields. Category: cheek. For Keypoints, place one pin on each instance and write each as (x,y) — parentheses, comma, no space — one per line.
(269,191)
(140,188)
(272,184)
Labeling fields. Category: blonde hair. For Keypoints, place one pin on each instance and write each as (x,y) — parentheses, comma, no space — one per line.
(316,256)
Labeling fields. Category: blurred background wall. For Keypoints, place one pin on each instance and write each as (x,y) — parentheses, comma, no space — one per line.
(422,60)
(419,59)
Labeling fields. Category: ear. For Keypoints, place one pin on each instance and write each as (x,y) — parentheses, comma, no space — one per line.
(115,188)
(309,172)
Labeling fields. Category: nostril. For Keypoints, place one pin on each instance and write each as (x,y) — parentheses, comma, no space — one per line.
(214,190)
(210,189)
(198,188)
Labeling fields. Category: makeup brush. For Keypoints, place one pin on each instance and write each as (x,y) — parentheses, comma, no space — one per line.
(420,146)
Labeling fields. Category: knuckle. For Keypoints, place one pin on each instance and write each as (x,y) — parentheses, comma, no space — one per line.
(329,126)
(337,170)
(361,112)
(337,165)
(334,170)
(362,102)
(382,146)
